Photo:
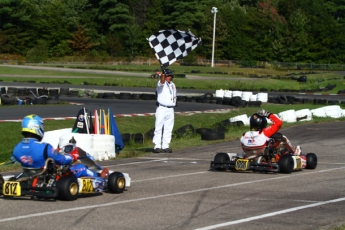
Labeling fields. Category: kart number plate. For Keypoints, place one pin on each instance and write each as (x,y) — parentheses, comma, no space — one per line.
(86,186)
(241,164)
(11,188)
(298,163)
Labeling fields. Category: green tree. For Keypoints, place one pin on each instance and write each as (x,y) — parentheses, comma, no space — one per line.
(183,15)
(115,16)
(15,25)
(39,53)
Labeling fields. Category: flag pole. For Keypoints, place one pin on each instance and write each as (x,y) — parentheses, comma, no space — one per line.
(86,121)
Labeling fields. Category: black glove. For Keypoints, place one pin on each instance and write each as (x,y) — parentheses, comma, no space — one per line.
(263,113)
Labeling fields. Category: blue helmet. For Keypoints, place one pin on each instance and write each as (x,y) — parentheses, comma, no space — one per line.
(33,124)
(168,72)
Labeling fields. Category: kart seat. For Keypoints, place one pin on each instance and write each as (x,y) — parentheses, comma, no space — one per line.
(28,172)
(253,151)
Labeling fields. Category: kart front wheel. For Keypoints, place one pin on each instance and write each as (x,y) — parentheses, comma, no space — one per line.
(1,183)
(68,187)
(286,164)
(221,158)
(116,182)
(311,161)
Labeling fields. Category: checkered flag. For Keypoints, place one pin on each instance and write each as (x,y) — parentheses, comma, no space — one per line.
(171,45)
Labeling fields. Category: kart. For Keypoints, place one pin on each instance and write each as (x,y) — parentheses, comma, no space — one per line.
(276,157)
(59,182)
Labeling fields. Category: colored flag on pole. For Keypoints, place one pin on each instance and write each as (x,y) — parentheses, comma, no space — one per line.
(102,128)
(80,125)
(115,132)
(91,124)
(96,122)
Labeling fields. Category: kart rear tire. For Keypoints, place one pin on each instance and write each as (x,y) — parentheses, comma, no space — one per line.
(116,182)
(311,161)
(221,158)
(286,164)
(1,183)
(68,187)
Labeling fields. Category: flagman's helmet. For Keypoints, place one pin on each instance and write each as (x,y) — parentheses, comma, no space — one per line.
(257,122)
(33,126)
(168,72)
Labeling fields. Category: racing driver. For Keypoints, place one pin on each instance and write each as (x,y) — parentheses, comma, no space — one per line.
(31,153)
(255,140)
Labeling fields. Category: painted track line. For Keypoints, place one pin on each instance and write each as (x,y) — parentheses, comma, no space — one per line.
(164,196)
(271,214)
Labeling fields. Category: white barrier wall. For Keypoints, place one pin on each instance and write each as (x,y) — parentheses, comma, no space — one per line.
(52,137)
(100,146)
(333,111)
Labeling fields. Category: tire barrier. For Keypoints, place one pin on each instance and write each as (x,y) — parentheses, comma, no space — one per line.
(149,134)
(225,97)
(320,101)
(8,99)
(282,99)
(64,91)
(137,138)
(208,136)
(2,90)
(136,96)
(184,130)
(125,96)
(146,96)
(21,92)
(42,92)
(73,93)
(188,99)
(12,90)
(220,129)
(108,95)
(203,130)
(302,79)
(99,95)
(126,137)
(181,98)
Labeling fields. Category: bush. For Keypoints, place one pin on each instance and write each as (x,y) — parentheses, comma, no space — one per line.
(39,53)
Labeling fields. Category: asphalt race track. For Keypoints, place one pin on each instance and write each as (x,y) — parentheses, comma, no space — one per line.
(177,191)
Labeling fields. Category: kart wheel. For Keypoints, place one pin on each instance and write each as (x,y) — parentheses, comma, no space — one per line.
(221,158)
(1,183)
(68,187)
(311,161)
(286,164)
(116,182)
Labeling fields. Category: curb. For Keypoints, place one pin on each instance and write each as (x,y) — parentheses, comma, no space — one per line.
(128,115)
(321,94)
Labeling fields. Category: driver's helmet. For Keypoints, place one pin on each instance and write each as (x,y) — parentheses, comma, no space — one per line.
(257,122)
(32,125)
(168,72)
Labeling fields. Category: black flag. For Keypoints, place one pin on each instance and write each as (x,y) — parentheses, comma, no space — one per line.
(79,124)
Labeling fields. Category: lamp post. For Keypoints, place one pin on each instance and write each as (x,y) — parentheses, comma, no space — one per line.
(213,11)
